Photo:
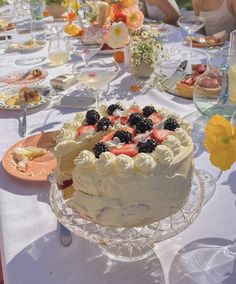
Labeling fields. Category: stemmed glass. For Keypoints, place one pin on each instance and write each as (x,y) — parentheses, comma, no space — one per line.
(5,19)
(191,25)
(97,75)
(84,47)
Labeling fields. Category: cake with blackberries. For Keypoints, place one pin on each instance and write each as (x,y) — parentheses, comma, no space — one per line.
(125,167)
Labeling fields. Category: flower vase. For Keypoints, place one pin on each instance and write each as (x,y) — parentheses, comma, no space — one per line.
(143,70)
(127,56)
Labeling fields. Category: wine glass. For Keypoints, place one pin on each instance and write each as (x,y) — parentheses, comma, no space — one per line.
(85,47)
(58,50)
(97,75)
(5,18)
(191,25)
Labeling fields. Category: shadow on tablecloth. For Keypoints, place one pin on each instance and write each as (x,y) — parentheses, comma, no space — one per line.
(209,260)
(47,261)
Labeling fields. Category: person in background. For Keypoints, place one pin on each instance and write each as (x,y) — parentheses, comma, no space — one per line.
(220,15)
(162,10)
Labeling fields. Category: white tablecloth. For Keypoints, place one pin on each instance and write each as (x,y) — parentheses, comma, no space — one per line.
(30,246)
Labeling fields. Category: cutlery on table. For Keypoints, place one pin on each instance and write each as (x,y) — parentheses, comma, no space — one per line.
(170,83)
(65,235)
(23,121)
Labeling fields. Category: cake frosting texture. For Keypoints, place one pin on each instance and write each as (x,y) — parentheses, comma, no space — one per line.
(122,179)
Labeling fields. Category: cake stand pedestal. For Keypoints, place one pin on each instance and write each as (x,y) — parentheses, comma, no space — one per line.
(133,243)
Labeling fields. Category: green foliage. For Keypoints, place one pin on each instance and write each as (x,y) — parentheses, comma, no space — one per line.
(185,4)
(53,1)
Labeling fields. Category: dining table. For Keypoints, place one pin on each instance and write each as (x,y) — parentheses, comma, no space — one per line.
(31,251)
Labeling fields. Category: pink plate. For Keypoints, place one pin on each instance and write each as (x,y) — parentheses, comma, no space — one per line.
(17,78)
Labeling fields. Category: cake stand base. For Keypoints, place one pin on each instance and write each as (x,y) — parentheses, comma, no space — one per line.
(131,243)
(126,253)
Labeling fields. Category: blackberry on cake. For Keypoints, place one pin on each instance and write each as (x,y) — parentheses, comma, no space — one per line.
(124,136)
(99,148)
(148,147)
(144,125)
(171,124)
(113,107)
(148,110)
(134,118)
(103,124)
(92,117)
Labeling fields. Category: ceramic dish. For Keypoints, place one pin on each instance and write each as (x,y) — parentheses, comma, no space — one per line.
(28,46)
(205,41)
(24,77)
(39,168)
(9,98)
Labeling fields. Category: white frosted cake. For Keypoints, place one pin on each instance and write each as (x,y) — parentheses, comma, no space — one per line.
(125,167)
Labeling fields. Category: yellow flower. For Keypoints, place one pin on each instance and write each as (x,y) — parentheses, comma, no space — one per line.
(118,35)
(220,142)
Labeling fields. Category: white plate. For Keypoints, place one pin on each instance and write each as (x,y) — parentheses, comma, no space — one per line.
(20,47)
(45,93)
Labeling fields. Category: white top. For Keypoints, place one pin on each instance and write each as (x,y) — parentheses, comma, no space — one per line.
(219,20)
(155,13)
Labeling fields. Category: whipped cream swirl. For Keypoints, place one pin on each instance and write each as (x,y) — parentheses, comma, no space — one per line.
(173,143)
(124,166)
(65,134)
(145,163)
(163,112)
(85,159)
(79,117)
(105,163)
(71,125)
(182,135)
(187,126)
(163,154)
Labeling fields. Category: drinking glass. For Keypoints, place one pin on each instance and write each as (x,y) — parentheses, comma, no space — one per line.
(191,25)
(58,50)
(85,48)
(97,75)
(5,19)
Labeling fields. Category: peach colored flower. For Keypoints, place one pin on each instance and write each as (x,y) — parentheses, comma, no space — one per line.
(134,18)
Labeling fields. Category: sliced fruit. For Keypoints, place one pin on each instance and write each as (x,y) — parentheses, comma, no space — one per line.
(124,119)
(160,135)
(113,118)
(86,129)
(108,137)
(155,117)
(128,149)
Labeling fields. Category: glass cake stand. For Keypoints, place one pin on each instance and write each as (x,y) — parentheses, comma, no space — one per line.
(131,243)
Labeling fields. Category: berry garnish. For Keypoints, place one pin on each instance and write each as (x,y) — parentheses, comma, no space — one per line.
(86,129)
(155,117)
(99,148)
(65,184)
(148,147)
(113,107)
(160,135)
(92,117)
(171,124)
(124,136)
(127,149)
(103,124)
(148,110)
(134,118)
(144,125)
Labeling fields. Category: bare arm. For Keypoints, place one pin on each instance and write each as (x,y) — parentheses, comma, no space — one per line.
(196,7)
(171,14)
(233,5)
